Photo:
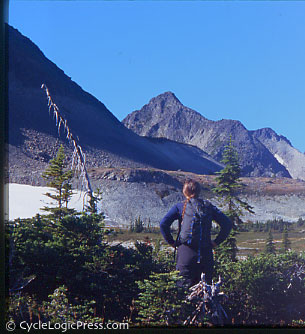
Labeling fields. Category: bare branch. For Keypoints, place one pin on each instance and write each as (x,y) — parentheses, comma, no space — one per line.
(78,158)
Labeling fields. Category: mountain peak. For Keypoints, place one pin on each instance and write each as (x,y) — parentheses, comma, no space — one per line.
(167,95)
(165,116)
(167,98)
(269,133)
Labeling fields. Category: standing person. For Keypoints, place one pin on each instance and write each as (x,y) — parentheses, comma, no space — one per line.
(195,255)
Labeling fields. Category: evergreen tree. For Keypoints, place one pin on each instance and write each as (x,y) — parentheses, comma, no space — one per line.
(286,242)
(300,222)
(66,194)
(227,251)
(139,225)
(93,201)
(228,184)
(60,180)
(270,248)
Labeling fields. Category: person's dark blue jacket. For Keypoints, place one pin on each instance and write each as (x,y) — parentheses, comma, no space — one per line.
(175,213)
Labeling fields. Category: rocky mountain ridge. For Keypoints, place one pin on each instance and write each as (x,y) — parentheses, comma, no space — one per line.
(165,116)
(33,136)
(283,151)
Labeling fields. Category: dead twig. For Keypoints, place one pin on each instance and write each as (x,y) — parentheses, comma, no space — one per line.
(78,156)
(206,298)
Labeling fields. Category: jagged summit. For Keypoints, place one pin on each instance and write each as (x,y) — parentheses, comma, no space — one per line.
(163,111)
(164,103)
(166,97)
(269,133)
(165,116)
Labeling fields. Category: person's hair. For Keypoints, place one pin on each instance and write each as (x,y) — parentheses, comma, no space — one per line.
(191,189)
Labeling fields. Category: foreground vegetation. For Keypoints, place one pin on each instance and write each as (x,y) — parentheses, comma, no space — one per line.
(67,267)
(75,274)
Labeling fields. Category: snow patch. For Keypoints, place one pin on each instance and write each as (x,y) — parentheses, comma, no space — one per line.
(25,201)
(280,160)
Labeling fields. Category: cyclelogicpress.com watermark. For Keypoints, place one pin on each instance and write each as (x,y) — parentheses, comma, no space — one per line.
(11,326)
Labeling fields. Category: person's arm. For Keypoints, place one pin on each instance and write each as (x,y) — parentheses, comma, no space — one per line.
(166,222)
(224,223)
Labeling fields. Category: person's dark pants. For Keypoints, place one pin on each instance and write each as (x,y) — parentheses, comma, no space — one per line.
(190,269)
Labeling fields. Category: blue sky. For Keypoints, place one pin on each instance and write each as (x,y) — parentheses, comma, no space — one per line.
(237,60)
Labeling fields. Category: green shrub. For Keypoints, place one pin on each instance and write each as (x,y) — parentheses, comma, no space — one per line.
(73,253)
(57,309)
(60,310)
(58,253)
(266,289)
(160,297)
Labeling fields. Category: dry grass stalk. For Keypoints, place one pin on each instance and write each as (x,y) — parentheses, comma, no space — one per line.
(78,156)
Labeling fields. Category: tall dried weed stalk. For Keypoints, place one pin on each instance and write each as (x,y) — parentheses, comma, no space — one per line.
(78,157)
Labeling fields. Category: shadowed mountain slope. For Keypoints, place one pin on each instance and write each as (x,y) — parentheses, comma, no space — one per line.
(33,137)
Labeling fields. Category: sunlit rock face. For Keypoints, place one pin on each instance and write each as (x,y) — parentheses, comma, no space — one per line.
(165,116)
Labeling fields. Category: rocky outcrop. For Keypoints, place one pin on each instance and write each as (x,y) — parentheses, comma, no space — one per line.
(149,193)
(283,151)
(165,116)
